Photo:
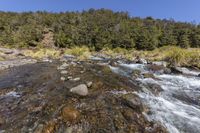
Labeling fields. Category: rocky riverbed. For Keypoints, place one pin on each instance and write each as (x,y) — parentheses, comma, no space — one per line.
(95,96)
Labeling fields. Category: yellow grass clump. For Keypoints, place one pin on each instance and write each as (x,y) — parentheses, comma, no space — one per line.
(41,53)
(81,53)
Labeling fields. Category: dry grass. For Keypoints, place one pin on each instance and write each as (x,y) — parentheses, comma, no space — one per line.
(41,53)
(118,52)
(82,53)
(173,55)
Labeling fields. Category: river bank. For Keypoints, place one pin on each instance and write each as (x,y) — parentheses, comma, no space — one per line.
(100,94)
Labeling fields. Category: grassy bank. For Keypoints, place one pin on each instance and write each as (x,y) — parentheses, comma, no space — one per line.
(173,55)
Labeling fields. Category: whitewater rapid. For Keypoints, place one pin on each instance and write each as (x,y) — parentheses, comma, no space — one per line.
(177,106)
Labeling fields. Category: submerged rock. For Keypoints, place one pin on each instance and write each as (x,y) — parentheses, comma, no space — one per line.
(81,90)
(158,69)
(39,128)
(136,73)
(133,101)
(70,114)
(2,121)
(63,66)
(148,75)
(50,127)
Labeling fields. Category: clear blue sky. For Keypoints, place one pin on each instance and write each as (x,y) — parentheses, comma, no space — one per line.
(180,10)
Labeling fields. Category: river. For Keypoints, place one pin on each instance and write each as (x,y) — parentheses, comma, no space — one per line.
(177,106)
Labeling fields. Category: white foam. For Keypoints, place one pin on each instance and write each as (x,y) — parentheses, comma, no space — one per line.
(134,66)
(190,72)
(176,115)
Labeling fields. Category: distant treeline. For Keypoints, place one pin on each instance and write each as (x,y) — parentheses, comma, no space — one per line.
(96,29)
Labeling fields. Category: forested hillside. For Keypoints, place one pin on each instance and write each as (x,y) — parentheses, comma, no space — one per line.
(96,29)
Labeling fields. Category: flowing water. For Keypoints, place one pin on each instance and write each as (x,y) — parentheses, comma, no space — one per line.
(177,106)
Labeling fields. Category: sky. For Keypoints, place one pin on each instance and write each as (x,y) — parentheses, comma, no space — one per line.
(179,10)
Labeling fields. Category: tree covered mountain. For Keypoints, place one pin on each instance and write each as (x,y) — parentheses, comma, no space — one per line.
(95,29)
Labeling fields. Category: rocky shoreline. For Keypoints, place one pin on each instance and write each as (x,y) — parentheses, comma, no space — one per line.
(72,96)
(35,98)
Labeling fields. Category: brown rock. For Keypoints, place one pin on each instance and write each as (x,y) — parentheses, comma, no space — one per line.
(2,121)
(50,127)
(132,101)
(148,75)
(39,128)
(70,114)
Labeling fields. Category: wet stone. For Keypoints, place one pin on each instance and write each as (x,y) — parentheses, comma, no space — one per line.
(70,114)
(132,101)
(141,61)
(148,75)
(136,73)
(76,79)
(69,77)
(63,72)
(89,84)
(176,70)
(63,66)
(155,89)
(81,90)
(2,121)
(82,72)
(50,127)
(62,79)
(39,128)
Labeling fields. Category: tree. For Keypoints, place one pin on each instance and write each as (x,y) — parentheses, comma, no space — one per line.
(183,39)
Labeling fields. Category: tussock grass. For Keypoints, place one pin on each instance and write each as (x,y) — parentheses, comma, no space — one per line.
(175,56)
(118,52)
(82,53)
(172,54)
(41,53)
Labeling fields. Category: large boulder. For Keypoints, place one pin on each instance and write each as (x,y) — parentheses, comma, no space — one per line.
(81,90)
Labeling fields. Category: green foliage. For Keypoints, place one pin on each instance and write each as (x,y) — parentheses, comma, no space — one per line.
(95,29)
(183,39)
